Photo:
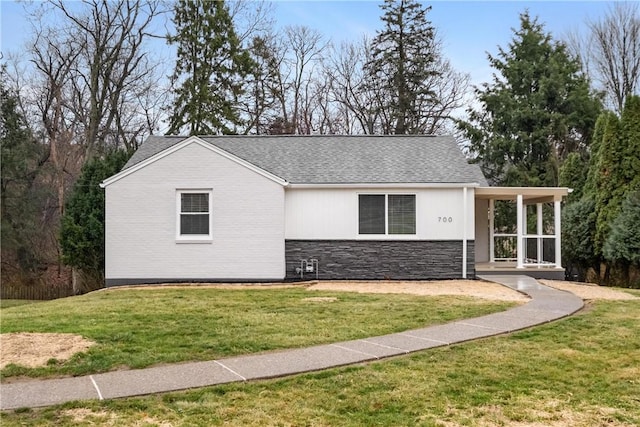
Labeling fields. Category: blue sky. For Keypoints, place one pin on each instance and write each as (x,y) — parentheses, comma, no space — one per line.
(469,29)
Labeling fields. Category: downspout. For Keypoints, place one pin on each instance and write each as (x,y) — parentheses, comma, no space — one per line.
(464,232)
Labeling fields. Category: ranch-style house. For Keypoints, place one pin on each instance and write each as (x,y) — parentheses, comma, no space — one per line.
(273,208)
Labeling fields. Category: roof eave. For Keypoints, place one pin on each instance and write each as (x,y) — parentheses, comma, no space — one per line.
(529,194)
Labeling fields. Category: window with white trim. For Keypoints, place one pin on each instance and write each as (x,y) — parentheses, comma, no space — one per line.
(387,214)
(194,214)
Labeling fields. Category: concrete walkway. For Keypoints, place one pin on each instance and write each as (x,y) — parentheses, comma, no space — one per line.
(546,304)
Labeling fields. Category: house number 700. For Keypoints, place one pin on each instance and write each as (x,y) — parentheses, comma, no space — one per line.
(445,219)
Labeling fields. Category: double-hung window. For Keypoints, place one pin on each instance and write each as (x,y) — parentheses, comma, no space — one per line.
(194,215)
(387,214)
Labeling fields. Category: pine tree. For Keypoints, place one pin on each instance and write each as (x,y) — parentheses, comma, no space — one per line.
(82,229)
(578,226)
(572,175)
(589,189)
(537,110)
(579,214)
(614,174)
(615,169)
(623,243)
(630,133)
(403,57)
(209,70)
(610,180)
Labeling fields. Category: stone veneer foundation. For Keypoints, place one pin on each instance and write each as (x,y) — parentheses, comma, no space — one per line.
(380,259)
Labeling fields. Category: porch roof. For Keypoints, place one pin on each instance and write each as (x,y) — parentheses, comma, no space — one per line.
(529,194)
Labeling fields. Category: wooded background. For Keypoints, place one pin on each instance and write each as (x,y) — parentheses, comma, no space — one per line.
(88,90)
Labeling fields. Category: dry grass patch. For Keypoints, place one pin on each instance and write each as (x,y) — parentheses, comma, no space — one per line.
(320,299)
(470,288)
(550,413)
(589,291)
(86,416)
(37,349)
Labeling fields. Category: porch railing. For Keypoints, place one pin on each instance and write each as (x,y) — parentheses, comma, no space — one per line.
(539,250)
(505,247)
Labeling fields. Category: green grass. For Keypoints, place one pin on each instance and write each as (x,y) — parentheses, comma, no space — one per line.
(141,327)
(8,303)
(580,371)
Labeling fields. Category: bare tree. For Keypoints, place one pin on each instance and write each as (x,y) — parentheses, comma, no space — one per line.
(251,18)
(85,83)
(285,85)
(356,99)
(91,78)
(109,86)
(610,53)
(365,100)
(449,89)
(306,49)
(54,61)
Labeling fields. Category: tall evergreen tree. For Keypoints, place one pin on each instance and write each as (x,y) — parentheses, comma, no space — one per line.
(614,174)
(572,175)
(209,70)
(622,246)
(578,226)
(630,133)
(594,148)
(615,171)
(579,216)
(82,228)
(536,111)
(403,59)
(609,178)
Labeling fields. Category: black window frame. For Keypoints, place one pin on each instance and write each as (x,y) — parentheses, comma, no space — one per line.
(391,216)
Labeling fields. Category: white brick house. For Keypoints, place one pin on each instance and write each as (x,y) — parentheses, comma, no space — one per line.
(255,208)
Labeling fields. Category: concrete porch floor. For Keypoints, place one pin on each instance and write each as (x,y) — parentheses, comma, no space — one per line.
(502,268)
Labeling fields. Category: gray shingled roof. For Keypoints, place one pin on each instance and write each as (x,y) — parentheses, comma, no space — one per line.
(332,159)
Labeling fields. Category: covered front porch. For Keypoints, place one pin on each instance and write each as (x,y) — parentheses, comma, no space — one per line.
(518,231)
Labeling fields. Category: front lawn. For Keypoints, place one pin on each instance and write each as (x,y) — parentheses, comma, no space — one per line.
(140,327)
(581,371)
(7,303)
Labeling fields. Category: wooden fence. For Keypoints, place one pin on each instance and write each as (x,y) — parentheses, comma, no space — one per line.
(35,292)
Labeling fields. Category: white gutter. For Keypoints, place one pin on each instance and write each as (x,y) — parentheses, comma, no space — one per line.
(388,185)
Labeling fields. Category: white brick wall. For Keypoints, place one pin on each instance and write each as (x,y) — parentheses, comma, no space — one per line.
(248,221)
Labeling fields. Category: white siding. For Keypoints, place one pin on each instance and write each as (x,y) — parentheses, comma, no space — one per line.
(248,221)
(317,214)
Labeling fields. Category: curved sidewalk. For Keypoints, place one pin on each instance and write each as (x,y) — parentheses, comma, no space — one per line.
(546,304)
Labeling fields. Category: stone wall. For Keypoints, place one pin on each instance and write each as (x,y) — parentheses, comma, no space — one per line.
(380,259)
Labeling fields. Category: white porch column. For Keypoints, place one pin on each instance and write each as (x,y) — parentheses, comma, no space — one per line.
(520,234)
(557,230)
(539,232)
(492,209)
